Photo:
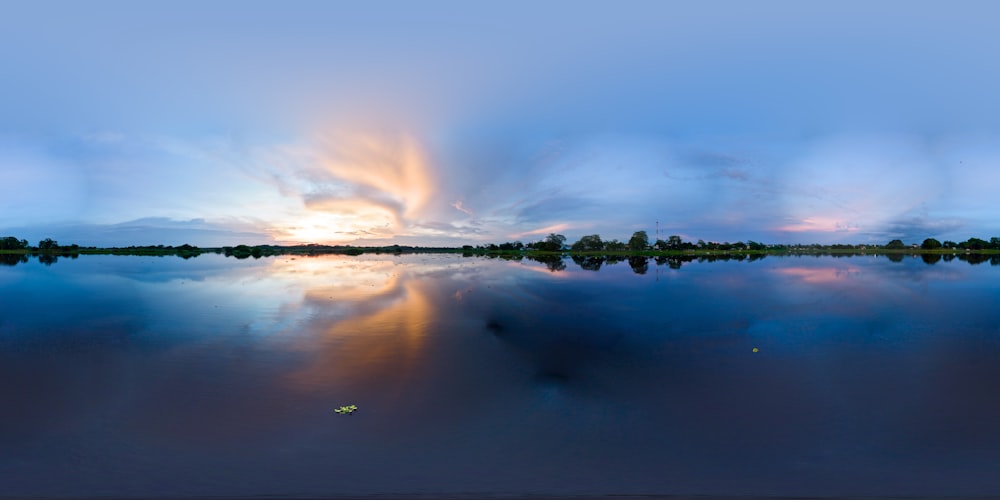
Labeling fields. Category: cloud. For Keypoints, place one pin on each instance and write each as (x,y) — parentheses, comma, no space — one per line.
(148,231)
(349,183)
(917,227)
(460,206)
(555,228)
(818,225)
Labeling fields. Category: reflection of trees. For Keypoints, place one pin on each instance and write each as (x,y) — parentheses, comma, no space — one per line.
(589,262)
(930,258)
(895,257)
(8,259)
(674,261)
(553,262)
(639,264)
(51,258)
(974,258)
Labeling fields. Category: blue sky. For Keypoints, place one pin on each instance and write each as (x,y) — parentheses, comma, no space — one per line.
(444,123)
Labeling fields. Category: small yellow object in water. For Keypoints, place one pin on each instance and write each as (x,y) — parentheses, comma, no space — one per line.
(346,410)
(755,349)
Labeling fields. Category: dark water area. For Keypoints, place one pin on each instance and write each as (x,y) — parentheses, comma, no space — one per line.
(216,377)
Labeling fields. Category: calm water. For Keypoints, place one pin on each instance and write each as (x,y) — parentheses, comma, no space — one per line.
(140,376)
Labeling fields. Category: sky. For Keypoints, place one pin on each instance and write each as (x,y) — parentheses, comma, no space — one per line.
(449,123)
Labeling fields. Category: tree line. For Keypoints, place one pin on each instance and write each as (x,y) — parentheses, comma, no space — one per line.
(934,244)
(12,243)
(553,243)
(639,242)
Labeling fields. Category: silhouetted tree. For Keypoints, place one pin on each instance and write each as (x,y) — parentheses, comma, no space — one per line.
(895,245)
(589,243)
(930,244)
(614,246)
(12,243)
(552,243)
(47,244)
(639,241)
(974,244)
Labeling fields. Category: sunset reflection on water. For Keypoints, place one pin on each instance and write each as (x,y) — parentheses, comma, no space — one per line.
(221,377)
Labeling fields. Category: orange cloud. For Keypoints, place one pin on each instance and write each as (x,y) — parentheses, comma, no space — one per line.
(382,167)
(555,228)
(356,185)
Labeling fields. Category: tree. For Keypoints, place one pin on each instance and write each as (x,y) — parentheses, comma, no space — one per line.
(895,245)
(614,245)
(974,244)
(930,244)
(639,241)
(589,243)
(552,243)
(48,244)
(12,243)
(674,242)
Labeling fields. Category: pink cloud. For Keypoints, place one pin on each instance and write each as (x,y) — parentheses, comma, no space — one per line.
(818,224)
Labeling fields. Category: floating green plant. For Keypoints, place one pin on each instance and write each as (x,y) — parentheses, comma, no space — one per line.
(346,410)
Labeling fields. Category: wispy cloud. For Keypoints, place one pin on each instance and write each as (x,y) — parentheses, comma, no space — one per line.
(555,228)
(460,206)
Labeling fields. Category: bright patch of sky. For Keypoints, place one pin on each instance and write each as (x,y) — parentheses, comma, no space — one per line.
(445,123)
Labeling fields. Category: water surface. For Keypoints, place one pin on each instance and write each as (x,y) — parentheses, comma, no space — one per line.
(157,376)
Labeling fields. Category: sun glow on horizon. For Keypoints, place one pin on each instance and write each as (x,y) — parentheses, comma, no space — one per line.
(355,186)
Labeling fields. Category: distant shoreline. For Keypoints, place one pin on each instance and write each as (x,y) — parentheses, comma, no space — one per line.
(311,250)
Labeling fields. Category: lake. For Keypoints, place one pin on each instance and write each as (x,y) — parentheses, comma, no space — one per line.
(131,376)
